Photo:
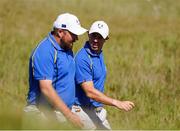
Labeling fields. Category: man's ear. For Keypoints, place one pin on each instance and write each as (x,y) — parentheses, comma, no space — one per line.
(107,38)
(88,34)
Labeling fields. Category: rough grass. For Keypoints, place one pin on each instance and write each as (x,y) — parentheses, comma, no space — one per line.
(142,57)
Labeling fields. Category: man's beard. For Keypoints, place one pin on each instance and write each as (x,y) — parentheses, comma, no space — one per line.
(65,46)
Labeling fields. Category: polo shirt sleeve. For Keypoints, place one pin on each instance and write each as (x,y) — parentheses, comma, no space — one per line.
(83,70)
(43,64)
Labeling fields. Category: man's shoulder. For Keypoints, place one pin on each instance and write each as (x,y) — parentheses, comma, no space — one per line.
(83,58)
(81,54)
(44,49)
(81,51)
(44,45)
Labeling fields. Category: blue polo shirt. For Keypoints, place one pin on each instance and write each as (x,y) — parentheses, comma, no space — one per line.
(50,62)
(89,67)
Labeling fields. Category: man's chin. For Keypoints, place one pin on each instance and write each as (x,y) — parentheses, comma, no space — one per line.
(94,49)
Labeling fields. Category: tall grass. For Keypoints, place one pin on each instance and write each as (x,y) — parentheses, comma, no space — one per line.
(142,57)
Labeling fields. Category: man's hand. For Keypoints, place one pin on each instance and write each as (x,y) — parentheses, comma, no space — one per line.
(56,101)
(124,105)
(75,120)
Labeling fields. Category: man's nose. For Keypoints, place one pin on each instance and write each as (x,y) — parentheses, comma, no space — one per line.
(95,40)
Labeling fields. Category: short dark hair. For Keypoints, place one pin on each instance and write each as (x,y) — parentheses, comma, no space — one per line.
(54,31)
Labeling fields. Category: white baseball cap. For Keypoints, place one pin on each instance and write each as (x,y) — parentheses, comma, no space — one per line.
(100,27)
(69,22)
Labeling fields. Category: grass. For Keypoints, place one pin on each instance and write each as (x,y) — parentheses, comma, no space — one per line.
(142,57)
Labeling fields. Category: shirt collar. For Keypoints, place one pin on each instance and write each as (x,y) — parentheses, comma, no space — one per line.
(54,42)
(89,50)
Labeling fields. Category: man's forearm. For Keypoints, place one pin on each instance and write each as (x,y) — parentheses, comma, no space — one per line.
(51,95)
(96,95)
(49,92)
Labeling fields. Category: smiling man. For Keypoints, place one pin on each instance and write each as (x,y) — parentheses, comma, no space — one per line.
(90,78)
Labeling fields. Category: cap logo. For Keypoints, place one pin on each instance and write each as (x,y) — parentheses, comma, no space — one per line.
(77,21)
(100,26)
(63,25)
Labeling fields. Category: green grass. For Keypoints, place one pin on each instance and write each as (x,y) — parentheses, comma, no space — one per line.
(142,57)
